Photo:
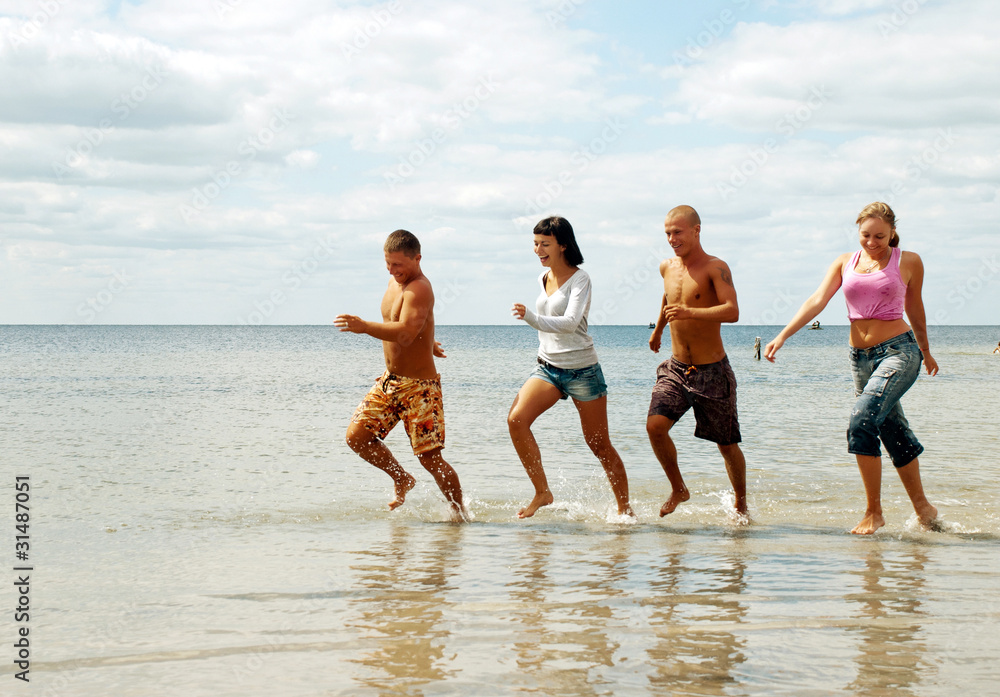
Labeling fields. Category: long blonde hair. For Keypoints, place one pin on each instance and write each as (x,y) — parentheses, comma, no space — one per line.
(882,212)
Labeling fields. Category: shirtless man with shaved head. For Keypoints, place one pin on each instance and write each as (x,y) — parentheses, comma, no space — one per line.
(698,296)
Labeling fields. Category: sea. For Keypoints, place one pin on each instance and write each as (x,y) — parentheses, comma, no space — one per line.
(194,524)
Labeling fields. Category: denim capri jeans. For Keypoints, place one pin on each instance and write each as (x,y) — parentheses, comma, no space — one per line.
(882,375)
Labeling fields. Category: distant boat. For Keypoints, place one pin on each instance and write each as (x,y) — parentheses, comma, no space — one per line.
(815,325)
(652,325)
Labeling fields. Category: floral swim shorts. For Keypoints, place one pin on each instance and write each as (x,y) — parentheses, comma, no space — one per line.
(417,403)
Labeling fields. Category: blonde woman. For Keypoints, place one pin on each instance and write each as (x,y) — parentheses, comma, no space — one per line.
(880,283)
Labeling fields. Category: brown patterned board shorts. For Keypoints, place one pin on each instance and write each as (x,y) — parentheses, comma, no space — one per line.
(417,403)
(709,389)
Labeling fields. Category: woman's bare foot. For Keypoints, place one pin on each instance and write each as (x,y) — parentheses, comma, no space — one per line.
(869,524)
(543,499)
(403,487)
(927,515)
(675,500)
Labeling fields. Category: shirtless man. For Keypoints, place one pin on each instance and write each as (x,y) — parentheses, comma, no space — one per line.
(698,296)
(410,388)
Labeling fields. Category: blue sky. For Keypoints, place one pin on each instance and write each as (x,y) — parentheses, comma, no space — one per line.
(241,162)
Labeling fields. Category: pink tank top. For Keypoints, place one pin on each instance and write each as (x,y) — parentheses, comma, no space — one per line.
(878,295)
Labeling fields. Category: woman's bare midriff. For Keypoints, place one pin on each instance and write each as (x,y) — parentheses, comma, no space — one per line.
(866,333)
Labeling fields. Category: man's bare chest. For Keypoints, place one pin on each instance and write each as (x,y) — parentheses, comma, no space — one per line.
(681,287)
(392,306)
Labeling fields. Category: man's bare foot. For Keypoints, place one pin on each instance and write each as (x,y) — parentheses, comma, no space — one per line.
(928,517)
(675,500)
(543,499)
(403,487)
(741,508)
(869,524)
(459,514)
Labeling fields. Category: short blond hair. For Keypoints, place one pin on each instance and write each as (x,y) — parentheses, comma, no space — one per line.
(880,211)
(402,241)
(686,212)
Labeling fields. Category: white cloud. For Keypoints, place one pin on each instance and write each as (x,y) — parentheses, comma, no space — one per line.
(284,121)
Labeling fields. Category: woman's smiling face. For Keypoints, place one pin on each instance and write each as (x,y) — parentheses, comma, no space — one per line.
(548,249)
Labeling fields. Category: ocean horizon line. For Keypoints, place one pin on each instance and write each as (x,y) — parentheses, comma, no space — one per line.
(305,324)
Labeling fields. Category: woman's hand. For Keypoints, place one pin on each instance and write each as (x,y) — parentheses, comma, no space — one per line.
(771,350)
(930,363)
(518,310)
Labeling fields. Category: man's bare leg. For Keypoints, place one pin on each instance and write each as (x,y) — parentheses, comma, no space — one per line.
(594,421)
(736,468)
(533,399)
(871,476)
(447,480)
(910,476)
(658,430)
(374,452)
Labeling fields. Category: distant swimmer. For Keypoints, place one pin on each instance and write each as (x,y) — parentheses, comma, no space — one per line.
(880,282)
(997,349)
(566,367)
(410,388)
(698,296)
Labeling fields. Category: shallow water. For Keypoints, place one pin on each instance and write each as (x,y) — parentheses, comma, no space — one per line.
(199,526)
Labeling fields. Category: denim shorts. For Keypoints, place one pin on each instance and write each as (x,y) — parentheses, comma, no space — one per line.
(882,375)
(582,384)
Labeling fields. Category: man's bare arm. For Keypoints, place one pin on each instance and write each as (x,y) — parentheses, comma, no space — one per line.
(661,322)
(727,310)
(418,300)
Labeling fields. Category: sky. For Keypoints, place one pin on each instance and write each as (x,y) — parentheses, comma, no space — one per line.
(241,161)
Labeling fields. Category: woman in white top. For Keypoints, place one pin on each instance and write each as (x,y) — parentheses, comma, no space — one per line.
(567,365)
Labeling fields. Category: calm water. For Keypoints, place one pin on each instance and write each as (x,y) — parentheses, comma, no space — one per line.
(200,528)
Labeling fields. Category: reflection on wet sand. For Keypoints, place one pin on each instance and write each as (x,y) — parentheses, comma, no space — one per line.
(891,652)
(404,593)
(564,619)
(694,598)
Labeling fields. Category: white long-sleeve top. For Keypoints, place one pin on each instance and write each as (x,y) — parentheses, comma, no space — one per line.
(561,321)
